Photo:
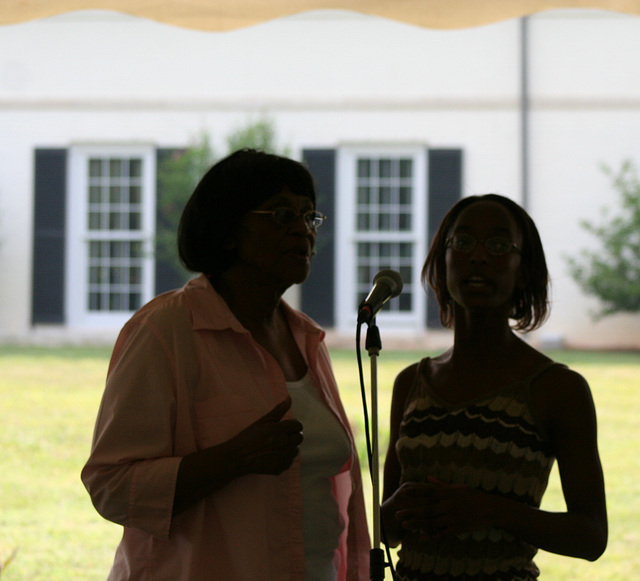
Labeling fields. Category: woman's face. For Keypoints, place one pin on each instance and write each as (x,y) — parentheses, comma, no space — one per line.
(479,278)
(275,254)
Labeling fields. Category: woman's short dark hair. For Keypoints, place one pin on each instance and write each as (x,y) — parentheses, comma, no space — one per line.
(530,304)
(233,187)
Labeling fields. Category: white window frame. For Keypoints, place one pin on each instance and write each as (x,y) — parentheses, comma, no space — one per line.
(347,236)
(78,235)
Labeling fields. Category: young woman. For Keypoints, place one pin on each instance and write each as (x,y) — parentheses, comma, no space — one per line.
(475,430)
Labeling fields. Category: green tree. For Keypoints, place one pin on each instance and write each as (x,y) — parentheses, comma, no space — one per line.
(612,272)
(260,135)
(178,175)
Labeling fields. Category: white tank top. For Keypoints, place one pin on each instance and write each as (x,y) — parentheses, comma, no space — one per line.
(323,453)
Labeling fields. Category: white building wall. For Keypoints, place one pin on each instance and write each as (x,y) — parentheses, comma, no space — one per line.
(585,85)
(328,79)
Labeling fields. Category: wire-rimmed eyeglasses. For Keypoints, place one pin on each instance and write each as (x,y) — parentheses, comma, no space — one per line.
(495,245)
(287,216)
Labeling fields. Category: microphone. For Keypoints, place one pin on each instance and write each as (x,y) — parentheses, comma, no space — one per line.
(386,285)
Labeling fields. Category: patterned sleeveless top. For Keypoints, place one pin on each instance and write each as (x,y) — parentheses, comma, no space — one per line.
(492,443)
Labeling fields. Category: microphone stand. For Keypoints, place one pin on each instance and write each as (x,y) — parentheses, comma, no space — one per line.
(373,346)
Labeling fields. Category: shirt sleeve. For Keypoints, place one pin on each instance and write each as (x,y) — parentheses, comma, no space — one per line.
(131,472)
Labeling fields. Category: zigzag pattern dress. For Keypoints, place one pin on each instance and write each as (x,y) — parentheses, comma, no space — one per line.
(492,443)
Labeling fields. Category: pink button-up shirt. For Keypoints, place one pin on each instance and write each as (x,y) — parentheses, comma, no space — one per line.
(185,375)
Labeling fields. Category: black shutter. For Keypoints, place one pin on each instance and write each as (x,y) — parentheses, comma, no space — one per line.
(168,275)
(49,236)
(444,189)
(318,290)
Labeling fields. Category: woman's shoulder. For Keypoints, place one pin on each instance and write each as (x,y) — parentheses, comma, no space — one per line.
(165,305)
(560,380)
(558,393)
(407,378)
(164,315)
(408,374)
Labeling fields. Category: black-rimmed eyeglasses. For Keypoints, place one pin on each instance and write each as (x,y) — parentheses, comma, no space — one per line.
(495,245)
(287,216)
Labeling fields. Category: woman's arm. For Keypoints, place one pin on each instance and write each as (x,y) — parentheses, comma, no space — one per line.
(566,406)
(133,474)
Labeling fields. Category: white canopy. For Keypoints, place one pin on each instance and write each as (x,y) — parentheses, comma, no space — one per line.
(220,15)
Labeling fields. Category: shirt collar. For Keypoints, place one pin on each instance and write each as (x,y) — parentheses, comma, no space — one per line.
(210,311)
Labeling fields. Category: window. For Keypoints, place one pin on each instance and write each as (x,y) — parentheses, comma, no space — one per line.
(381,208)
(111,214)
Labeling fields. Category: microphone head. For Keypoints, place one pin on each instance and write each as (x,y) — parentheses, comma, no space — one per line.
(392,278)
(387,284)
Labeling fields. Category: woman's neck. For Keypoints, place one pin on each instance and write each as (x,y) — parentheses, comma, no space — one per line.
(254,304)
(483,335)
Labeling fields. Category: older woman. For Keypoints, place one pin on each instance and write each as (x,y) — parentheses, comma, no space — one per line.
(198,448)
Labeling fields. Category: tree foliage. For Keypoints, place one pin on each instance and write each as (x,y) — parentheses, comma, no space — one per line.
(257,135)
(179,173)
(612,272)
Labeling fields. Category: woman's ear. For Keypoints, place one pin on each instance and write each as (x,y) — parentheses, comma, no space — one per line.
(524,276)
(231,241)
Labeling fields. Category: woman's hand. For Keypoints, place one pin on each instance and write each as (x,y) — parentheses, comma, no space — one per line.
(456,508)
(437,508)
(411,506)
(270,444)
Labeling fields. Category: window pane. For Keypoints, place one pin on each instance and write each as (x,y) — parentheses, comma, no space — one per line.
(135,221)
(95,168)
(135,195)
(405,272)
(94,302)
(135,168)
(364,195)
(115,302)
(94,249)
(116,249)
(135,301)
(362,273)
(406,168)
(404,222)
(95,221)
(136,249)
(404,301)
(384,222)
(363,222)
(115,168)
(94,194)
(364,168)
(116,276)
(94,275)
(404,195)
(135,275)
(115,221)
(115,194)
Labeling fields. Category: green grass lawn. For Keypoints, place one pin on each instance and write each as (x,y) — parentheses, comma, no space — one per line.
(49,398)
